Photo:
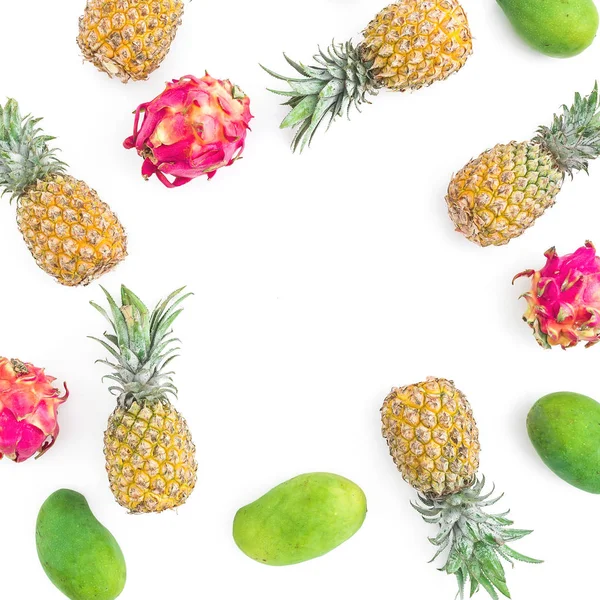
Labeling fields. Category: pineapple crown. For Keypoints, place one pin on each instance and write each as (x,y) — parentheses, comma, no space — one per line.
(24,153)
(141,346)
(574,136)
(339,81)
(475,539)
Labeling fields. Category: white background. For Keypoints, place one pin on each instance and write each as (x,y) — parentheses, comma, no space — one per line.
(320,282)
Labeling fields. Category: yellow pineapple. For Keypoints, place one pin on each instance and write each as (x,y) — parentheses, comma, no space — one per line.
(150,456)
(414,43)
(433,439)
(128,39)
(502,192)
(70,232)
(408,45)
(432,436)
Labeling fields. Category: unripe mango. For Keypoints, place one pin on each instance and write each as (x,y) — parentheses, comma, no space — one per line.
(79,555)
(564,428)
(300,519)
(560,28)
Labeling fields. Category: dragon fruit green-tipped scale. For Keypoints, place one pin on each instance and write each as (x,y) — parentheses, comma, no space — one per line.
(193,128)
(564,300)
(28,410)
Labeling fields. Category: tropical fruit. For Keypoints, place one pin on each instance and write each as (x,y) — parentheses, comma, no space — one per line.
(150,456)
(563,304)
(193,128)
(408,45)
(70,232)
(563,428)
(79,555)
(300,519)
(501,193)
(434,441)
(128,39)
(560,28)
(28,410)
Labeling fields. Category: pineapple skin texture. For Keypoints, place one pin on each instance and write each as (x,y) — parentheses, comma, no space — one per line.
(70,232)
(150,457)
(432,436)
(415,43)
(500,194)
(128,39)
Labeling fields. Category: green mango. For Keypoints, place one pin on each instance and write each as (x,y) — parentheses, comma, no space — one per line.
(300,519)
(560,28)
(80,556)
(564,428)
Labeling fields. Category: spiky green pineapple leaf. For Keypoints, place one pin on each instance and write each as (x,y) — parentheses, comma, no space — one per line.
(338,81)
(302,110)
(108,347)
(129,298)
(506,550)
(161,307)
(474,539)
(574,136)
(516,534)
(25,156)
(143,347)
(165,308)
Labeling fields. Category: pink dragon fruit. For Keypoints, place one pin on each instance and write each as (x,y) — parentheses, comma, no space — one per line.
(564,300)
(28,410)
(195,127)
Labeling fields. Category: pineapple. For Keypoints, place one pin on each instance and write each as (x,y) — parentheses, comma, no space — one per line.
(408,45)
(150,456)
(70,232)
(433,437)
(128,39)
(434,441)
(501,193)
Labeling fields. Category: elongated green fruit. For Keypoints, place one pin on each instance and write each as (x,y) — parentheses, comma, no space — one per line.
(564,428)
(300,519)
(559,28)
(79,555)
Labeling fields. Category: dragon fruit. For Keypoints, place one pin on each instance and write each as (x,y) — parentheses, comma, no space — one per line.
(564,300)
(28,410)
(195,127)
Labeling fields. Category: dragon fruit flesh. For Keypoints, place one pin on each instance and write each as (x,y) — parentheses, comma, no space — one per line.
(28,410)
(194,127)
(564,300)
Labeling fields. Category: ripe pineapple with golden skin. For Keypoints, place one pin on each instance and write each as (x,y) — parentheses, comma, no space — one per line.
(432,436)
(71,233)
(150,455)
(128,39)
(408,45)
(434,441)
(414,43)
(498,195)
